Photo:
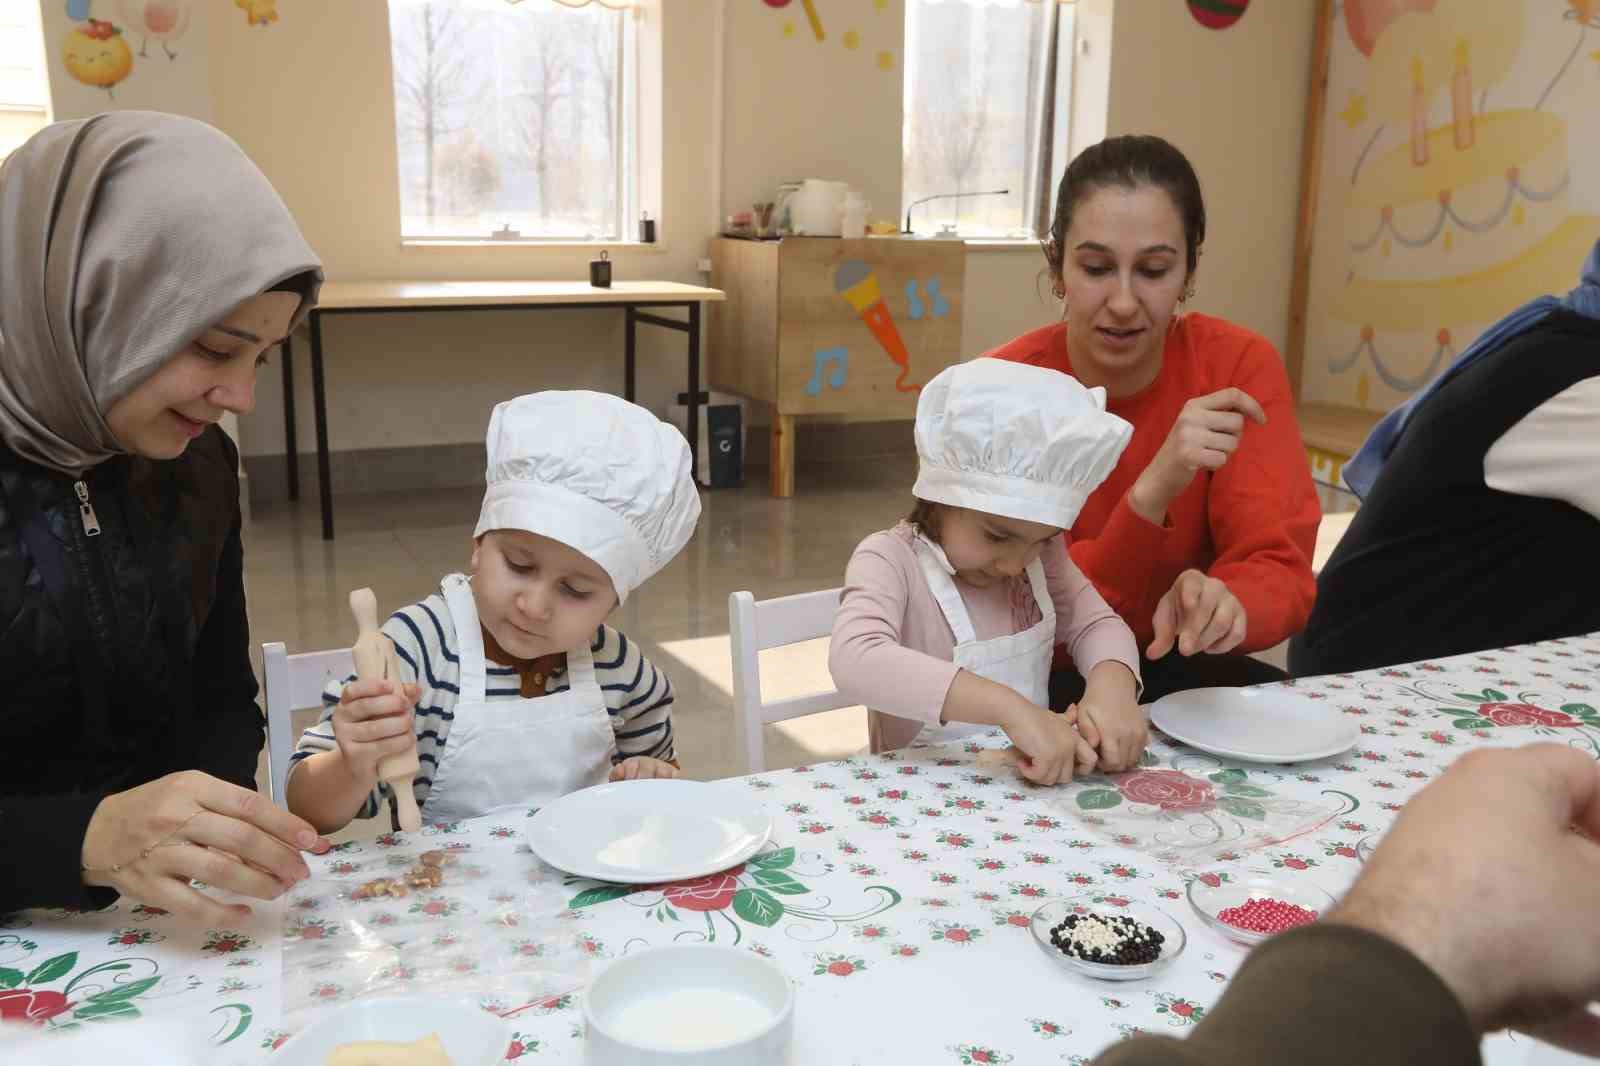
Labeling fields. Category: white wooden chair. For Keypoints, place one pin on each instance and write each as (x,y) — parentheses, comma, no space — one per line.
(291,683)
(755,626)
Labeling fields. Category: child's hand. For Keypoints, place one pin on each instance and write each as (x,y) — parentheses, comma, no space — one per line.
(1117,731)
(372,722)
(1110,717)
(643,768)
(1048,744)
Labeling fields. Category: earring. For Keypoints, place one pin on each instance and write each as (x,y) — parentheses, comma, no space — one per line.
(1188,292)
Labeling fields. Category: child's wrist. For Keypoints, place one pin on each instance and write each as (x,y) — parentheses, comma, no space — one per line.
(347,770)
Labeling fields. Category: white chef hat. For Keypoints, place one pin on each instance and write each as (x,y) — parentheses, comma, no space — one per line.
(601,475)
(1014,440)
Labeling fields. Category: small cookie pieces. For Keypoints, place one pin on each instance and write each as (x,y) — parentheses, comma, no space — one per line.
(426,872)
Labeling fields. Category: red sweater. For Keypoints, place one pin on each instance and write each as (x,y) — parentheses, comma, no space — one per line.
(1251,525)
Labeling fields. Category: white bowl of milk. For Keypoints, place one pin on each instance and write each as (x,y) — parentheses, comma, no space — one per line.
(700,1003)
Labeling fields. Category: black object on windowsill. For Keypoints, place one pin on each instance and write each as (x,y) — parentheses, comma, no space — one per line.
(647,228)
(949,196)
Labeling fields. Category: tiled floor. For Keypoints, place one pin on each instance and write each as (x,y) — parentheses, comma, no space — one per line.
(400,546)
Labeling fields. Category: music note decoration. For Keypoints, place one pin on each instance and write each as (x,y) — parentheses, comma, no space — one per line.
(839,357)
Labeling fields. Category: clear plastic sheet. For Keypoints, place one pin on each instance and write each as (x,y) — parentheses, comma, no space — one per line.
(1190,810)
(495,933)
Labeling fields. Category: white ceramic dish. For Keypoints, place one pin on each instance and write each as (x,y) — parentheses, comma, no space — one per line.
(1053,913)
(1209,901)
(706,1004)
(643,832)
(1271,724)
(471,1037)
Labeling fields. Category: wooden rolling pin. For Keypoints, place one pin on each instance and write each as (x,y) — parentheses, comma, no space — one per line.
(376,660)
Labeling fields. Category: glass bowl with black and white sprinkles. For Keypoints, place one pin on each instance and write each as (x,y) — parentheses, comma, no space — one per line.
(1121,941)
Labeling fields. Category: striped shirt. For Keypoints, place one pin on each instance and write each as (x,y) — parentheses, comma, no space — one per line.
(637,695)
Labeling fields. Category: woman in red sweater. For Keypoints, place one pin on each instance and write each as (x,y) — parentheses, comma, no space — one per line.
(1201,538)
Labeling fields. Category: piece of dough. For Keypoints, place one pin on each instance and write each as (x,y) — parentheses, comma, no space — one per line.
(995,758)
(425,1052)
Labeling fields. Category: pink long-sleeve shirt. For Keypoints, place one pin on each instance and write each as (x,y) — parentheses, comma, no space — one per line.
(892,648)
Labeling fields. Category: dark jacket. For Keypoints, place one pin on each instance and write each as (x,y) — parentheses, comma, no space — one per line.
(124,656)
(1325,995)
(1436,562)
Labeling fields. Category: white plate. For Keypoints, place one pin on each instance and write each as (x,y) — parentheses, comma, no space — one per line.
(1267,724)
(471,1037)
(641,832)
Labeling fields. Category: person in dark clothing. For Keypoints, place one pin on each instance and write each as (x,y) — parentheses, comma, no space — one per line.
(1480,526)
(145,266)
(1467,919)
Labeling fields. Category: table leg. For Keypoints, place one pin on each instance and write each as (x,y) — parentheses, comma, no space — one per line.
(782,481)
(628,349)
(319,404)
(291,453)
(693,406)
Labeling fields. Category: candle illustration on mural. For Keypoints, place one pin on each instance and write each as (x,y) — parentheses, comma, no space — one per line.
(856,282)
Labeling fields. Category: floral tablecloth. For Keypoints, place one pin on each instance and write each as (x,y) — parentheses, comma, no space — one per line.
(897,891)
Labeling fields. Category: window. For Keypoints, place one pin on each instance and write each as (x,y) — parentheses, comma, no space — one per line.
(24,86)
(986,108)
(514,120)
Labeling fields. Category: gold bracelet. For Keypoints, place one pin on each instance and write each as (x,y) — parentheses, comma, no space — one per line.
(169,841)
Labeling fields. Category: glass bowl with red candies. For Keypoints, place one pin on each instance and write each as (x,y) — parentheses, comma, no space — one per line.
(1251,907)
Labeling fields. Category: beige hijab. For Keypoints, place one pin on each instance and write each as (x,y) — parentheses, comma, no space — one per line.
(123,237)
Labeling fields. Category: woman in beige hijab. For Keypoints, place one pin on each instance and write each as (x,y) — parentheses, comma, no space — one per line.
(146,266)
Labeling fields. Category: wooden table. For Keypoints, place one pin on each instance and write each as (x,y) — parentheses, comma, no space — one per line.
(891,880)
(381,297)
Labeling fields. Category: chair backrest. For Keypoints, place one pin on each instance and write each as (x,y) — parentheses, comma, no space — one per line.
(291,683)
(753,627)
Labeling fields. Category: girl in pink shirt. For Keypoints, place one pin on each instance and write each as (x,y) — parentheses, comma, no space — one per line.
(948,621)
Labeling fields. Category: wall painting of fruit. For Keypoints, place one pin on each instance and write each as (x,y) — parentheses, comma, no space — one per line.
(96,54)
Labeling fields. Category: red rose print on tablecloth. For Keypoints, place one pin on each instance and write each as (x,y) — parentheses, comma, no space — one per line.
(32,1006)
(521,1044)
(955,933)
(832,965)
(1515,714)
(1171,790)
(713,892)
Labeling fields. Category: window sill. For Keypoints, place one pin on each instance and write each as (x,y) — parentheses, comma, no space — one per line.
(1002,244)
(637,247)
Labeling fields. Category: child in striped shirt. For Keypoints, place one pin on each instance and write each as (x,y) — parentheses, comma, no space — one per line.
(521,692)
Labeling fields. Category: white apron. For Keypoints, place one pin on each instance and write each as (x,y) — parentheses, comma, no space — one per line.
(516,752)
(1020,660)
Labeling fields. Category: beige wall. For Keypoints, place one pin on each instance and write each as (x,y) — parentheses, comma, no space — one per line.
(1234,100)
(310,99)
(799,108)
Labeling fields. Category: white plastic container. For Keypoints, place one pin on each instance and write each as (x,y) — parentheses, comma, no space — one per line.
(817,210)
(704,1004)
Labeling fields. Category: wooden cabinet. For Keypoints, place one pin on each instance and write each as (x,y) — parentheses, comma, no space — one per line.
(824,326)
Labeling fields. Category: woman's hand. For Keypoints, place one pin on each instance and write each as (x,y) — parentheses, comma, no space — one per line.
(1200,614)
(643,768)
(149,842)
(1206,433)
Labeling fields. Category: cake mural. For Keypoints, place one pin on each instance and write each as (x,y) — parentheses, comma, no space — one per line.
(1449,191)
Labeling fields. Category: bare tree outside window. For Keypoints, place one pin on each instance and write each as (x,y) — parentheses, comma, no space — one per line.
(510,116)
(433,79)
(969,79)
